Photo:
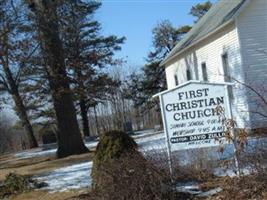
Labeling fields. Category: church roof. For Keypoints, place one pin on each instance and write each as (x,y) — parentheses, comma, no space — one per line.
(219,14)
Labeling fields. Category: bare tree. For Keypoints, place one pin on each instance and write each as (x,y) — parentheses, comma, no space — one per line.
(15,50)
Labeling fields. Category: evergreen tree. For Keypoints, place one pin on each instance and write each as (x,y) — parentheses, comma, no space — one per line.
(200,10)
(36,92)
(47,22)
(165,37)
(87,53)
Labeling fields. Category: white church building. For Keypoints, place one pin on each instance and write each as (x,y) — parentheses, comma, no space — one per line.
(228,44)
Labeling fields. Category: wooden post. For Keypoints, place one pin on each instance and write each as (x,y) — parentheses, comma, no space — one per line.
(232,131)
(167,137)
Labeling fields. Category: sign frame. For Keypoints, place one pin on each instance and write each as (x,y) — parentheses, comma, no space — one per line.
(160,95)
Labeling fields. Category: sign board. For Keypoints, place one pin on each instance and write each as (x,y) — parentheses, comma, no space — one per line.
(190,117)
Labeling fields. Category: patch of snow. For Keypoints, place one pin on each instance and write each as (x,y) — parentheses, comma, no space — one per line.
(35,153)
(188,187)
(231,172)
(47,152)
(143,132)
(151,138)
(78,175)
(193,188)
(146,141)
(154,142)
(70,177)
(210,192)
(91,144)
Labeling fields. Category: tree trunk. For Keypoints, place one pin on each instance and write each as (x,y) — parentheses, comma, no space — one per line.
(70,140)
(20,107)
(84,116)
(96,121)
(23,116)
(82,100)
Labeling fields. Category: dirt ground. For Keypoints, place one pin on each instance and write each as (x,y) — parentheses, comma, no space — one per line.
(43,195)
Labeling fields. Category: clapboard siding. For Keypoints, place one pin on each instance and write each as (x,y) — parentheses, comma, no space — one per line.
(210,51)
(245,41)
(252,29)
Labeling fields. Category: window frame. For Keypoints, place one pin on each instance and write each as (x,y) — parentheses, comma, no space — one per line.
(188,75)
(176,80)
(226,73)
(225,65)
(205,76)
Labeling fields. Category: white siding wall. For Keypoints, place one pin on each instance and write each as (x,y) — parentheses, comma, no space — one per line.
(210,51)
(252,29)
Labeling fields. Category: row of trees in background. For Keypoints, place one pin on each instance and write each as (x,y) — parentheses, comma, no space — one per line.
(55,65)
(52,59)
(151,80)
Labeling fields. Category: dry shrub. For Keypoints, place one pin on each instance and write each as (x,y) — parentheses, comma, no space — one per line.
(197,166)
(182,173)
(132,177)
(16,184)
(191,173)
(120,172)
(158,158)
(254,156)
(11,139)
(245,187)
(112,145)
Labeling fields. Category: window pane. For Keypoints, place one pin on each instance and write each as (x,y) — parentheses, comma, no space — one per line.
(176,79)
(204,72)
(225,63)
(188,75)
(227,76)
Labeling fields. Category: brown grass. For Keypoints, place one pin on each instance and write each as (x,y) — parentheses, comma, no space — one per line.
(38,165)
(44,195)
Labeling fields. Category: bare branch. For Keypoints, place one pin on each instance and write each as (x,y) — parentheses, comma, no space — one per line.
(22,64)
(3,82)
(252,89)
(259,113)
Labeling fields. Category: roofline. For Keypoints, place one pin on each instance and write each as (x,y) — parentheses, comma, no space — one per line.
(195,43)
(243,6)
(209,34)
(189,82)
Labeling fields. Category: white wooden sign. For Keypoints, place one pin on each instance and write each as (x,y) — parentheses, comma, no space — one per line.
(190,117)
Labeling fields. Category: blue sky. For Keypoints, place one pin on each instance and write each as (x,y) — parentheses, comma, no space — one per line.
(135,20)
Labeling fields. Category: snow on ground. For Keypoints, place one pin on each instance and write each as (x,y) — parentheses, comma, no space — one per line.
(140,139)
(188,187)
(193,188)
(35,153)
(152,142)
(210,192)
(66,178)
(39,152)
(78,175)
(231,172)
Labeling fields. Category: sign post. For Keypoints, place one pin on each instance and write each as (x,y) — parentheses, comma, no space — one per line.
(167,136)
(190,117)
(232,131)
